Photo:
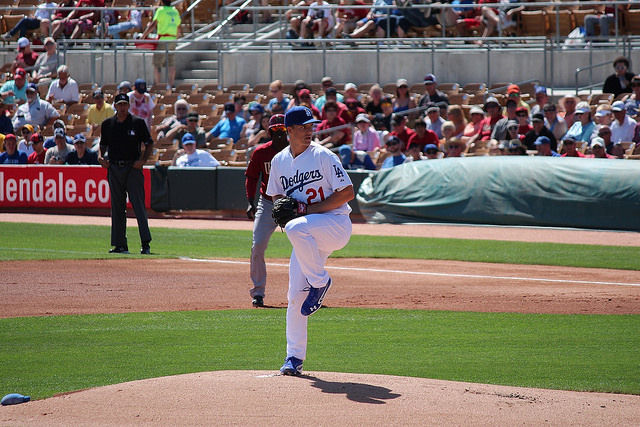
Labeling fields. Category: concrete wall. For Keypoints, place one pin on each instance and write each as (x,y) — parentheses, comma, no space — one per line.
(360,66)
(449,66)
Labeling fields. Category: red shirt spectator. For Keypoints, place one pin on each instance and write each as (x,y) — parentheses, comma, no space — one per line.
(494,113)
(353,110)
(337,138)
(427,137)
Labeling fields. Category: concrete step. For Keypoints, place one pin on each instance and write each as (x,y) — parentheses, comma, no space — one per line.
(199,82)
(199,74)
(208,64)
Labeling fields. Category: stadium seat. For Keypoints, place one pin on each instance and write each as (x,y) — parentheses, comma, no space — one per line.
(474,88)
(631,21)
(211,89)
(449,88)
(533,23)
(579,14)
(187,88)
(199,98)
(262,88)
(237,88)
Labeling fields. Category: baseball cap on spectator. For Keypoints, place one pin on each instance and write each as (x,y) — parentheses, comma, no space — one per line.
(597,141)
(542,140)
(331,91)
(362,117)
(10,136)
(255,106)
(79,139)
(23,42)
(49,40)
(491,100)
(513,88)
(402,82)
(569,140)
(300,84)
(36,138)
(140,85)
(28,127)
(603,112)
(386,100)
(299,115)
(430,79)
(192,116)
(514,143)
(431,147)
(326,79)
(476,110)
(512,124)
(541,89)
(188,138)
(230,107)
(59,132)
(277,120)
(304,92)
(617,106)
(124,84)
(59,124)
(549,108)
(98,94)
(121,98)
(631,108)
(537,117)
(350,86)
(392,140)
(32,87)
(19,73)
(582,107)
(433,108)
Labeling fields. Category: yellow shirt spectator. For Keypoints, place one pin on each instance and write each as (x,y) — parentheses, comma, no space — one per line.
(168,20)
(97,116)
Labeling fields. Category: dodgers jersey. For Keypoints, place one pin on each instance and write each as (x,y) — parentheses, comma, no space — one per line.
(311,177)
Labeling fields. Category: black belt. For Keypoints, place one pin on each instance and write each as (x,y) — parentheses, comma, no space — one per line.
(122,163)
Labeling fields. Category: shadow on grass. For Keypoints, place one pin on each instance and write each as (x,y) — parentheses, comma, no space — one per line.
(357,392)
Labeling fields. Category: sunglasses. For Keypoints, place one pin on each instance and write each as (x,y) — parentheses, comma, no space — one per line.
(327,84)
(569,142)
(278,129)
(549,110)
(521,114)
(181,109)
(192,120)
(512,128)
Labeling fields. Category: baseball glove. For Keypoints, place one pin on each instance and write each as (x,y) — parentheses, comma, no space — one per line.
(287,208)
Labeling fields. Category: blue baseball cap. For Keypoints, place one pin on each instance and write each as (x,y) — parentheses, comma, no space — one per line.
(299,116)
(79,138)
(542,140)
(188,138)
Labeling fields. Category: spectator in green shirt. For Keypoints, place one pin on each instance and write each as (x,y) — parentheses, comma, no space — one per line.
(166,21)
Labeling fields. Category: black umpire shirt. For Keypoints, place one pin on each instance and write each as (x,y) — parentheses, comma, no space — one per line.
(123,139)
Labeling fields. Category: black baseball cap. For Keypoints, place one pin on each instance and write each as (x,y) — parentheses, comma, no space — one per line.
(120,98)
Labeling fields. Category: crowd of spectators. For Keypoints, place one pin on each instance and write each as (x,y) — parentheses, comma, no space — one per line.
(368,129)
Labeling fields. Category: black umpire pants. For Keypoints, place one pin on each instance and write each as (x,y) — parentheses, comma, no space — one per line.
(125,179)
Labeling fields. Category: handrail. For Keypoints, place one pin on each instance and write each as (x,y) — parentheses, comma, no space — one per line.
(227,19)
(590,69)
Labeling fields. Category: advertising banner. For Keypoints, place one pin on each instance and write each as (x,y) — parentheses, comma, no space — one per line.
(64,186)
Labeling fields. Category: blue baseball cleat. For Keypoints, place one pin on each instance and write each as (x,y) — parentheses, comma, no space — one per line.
(292,366)
(314,299)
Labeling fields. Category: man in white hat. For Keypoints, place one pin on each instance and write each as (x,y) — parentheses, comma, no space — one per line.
(26,58)
(623,126)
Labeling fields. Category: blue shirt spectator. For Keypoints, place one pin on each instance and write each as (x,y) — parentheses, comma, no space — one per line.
(229,127)
(583,126)
(12,156)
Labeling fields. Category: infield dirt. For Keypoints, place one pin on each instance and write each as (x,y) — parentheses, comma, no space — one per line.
(252,398)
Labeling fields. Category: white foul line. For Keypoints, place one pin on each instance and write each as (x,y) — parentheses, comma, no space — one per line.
(425,273)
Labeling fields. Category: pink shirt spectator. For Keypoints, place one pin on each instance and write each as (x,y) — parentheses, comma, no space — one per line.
(368,141)
(141,106)
(472,128)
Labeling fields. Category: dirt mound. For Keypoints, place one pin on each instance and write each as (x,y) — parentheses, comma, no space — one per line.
(321,398)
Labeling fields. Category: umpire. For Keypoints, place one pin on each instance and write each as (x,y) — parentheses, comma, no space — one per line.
(120,153)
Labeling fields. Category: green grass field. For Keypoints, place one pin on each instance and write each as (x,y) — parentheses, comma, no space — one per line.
(41,241)
(42,356)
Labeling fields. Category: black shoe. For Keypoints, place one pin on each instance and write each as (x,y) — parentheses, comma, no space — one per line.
(258,301)
(146,250)
(119,250)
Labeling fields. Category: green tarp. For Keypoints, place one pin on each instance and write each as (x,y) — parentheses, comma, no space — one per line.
(509,190)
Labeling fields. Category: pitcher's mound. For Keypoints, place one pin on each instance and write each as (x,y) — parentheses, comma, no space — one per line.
(320,398)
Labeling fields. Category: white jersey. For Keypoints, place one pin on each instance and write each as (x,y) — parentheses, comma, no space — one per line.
(198,158)
(310,177)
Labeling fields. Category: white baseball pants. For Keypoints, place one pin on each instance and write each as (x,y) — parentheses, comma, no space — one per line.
(313,237)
